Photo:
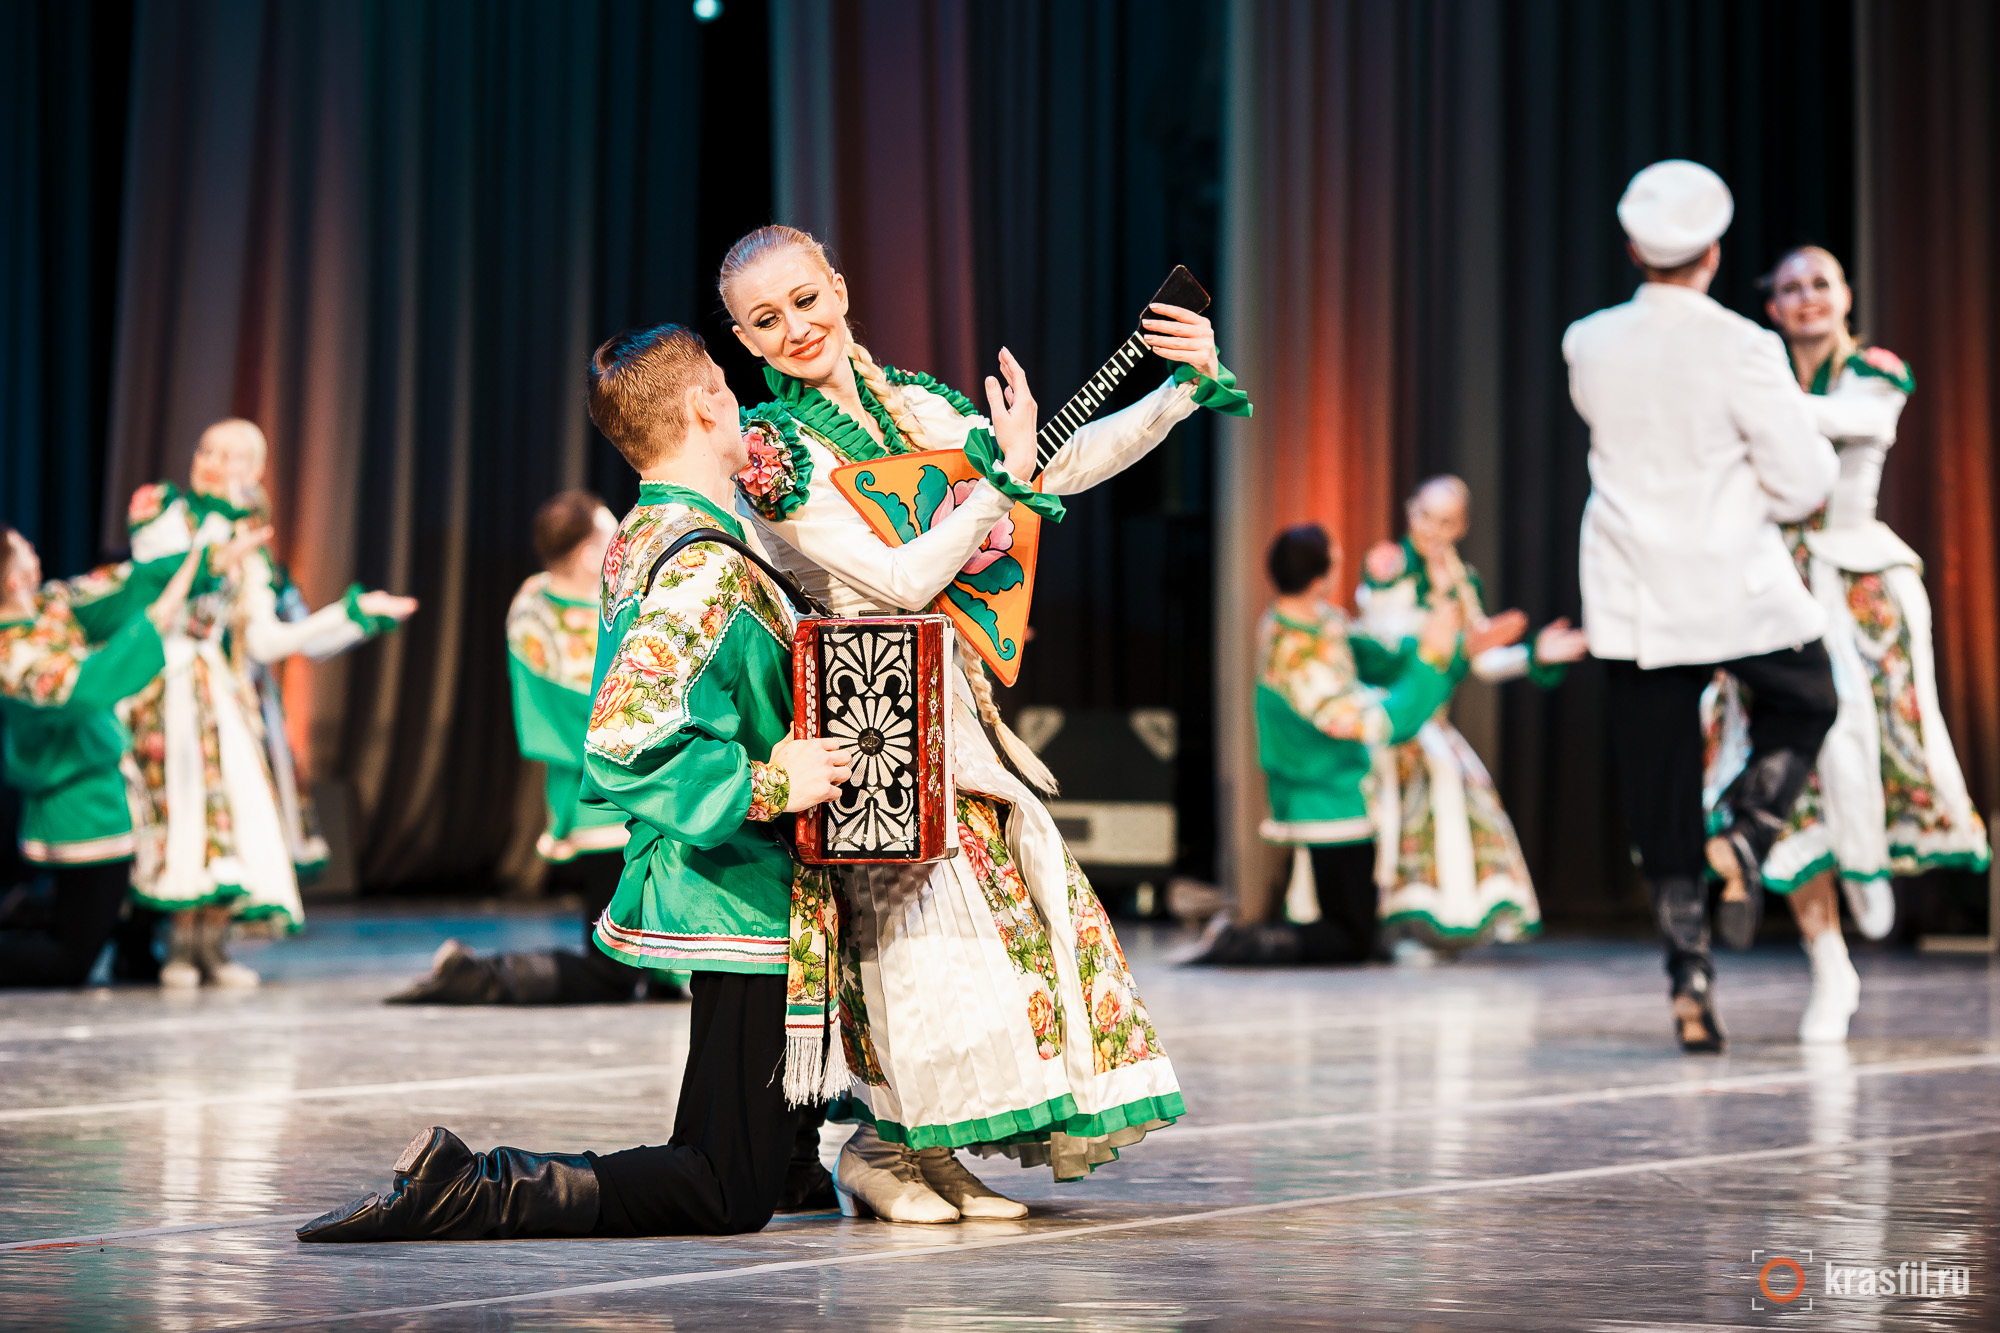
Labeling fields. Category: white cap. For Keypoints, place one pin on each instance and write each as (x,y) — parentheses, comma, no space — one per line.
(1673,211)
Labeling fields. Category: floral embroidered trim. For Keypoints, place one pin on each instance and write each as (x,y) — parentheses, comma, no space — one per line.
(1217,395)
(40,659)
(770,791)
(780,467)
(983,452)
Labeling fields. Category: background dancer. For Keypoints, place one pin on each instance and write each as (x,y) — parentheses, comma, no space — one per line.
(1700,444)
(1887,796)
(212,848)
(69,651)
(1327,701)
(1451,867)
(551,651)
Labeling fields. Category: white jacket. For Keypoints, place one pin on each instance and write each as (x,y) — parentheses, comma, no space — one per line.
(1700,445)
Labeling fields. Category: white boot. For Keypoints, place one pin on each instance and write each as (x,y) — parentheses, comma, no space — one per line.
(1836,990)
(963,1190)
(212,954)
(885,1179)
(180,971)
(1873,903)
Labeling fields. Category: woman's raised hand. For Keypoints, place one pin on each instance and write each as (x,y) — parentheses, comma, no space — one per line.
(1182,335)
(388,604)
(1012,411)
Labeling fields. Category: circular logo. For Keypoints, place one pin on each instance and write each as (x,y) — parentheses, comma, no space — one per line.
(1798,1280)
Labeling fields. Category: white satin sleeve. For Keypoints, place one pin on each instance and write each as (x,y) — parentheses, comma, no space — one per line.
(323,634)
(1498,664)
(1102,449)
(830,532)
(1861,407)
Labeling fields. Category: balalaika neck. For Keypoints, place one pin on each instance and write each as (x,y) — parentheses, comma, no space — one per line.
(1089,398)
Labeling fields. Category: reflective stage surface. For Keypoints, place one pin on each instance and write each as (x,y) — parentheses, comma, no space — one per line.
(1509,1142)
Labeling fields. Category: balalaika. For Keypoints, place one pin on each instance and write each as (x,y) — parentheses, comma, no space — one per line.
(881,685)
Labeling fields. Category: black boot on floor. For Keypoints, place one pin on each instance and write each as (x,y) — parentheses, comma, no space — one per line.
(458,976)
(1230,945)
(1736,919)
(442,1190)
(1696,1023)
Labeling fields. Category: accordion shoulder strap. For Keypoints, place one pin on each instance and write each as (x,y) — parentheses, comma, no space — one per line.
(802,601)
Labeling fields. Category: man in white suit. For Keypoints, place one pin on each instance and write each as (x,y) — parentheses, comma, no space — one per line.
(1700,445)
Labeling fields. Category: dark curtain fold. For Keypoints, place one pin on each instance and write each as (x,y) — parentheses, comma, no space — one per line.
(392,233)
(872,156)
(63,75)
(1934,200)
(1095,150)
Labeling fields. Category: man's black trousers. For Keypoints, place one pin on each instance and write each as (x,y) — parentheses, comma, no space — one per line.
(724,1169)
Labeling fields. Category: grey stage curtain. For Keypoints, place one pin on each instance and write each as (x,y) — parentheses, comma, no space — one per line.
(871,155)
(1420,199)
(391,233)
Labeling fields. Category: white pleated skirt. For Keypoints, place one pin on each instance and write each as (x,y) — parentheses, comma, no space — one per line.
(985,1003)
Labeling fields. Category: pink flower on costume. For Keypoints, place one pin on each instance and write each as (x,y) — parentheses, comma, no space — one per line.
(614,561)
(147,503)
(1883,359)
(998,542)
(766,473)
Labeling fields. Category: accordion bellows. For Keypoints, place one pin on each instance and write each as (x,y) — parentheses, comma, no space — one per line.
(879,684)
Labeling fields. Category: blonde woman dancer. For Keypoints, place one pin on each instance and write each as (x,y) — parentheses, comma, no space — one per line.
(985,1002)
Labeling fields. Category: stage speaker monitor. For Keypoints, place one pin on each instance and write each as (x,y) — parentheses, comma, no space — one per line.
(1116,810)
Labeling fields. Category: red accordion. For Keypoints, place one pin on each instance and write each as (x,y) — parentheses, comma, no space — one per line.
(881,685)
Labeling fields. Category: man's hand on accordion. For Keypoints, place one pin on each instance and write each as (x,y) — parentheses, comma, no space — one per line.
(814,766)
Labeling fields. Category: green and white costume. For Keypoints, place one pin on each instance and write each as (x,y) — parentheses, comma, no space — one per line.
(211,830)
(551,655)
(984,1001)
(1450,865)
(1888,797)
(1329,702)
(693,692)
(62,671)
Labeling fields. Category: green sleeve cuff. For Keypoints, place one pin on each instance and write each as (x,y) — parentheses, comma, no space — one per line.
(1548,675)
(983,451)
(370,625)
(1217,395)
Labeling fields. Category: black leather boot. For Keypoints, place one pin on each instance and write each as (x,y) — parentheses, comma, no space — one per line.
(1680,903)
(1740,909)
(442,1190)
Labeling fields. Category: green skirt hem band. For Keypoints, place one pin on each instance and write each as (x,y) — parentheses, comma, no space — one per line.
(1034,1124)
(1425,919)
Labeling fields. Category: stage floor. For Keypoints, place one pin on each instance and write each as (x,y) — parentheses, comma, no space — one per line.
(1510,1142)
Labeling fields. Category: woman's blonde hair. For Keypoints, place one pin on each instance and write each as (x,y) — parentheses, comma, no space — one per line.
(767,241)
(1846,344)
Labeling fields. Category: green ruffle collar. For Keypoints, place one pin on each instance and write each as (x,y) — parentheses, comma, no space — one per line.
(1876,361)
(828,420)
